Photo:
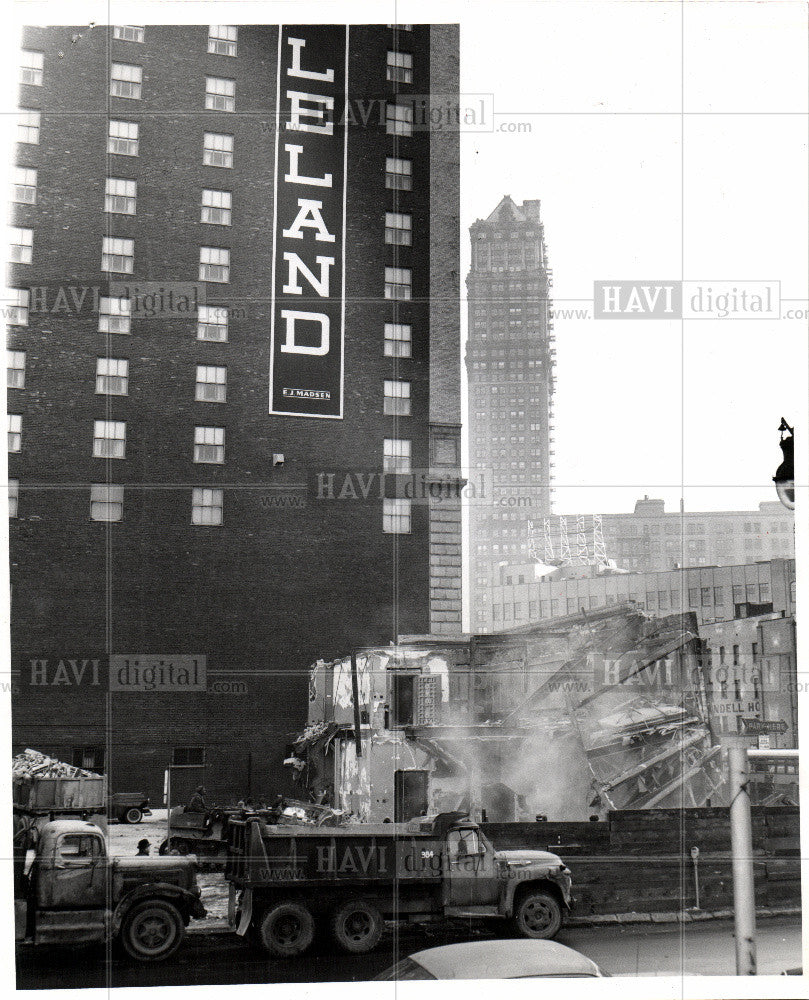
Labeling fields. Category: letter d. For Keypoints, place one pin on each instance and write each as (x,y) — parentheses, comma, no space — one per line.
(290,316)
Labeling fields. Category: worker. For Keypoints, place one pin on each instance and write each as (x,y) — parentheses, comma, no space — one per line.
(143,848)
(197,803)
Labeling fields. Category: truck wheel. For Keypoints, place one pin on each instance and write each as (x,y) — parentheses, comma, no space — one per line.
(538,915)
(357,926)
(286,929)
(152,930)
(133,815)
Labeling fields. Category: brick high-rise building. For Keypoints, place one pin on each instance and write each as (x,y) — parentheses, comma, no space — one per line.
(510,363)
(235,306)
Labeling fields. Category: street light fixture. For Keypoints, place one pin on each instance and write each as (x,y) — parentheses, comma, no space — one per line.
(784,477)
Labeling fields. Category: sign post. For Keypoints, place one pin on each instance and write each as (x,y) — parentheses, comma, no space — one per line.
(167,800)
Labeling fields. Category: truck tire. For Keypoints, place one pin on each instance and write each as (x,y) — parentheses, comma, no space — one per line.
(286,929)
(152,930)
(357,926)
(537,914)
(133,815)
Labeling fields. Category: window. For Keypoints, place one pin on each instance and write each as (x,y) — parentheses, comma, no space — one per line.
(106,503)
(16,369)
(188,757)
(735,656)
(126,80)
(114,315)
(717,595)
(216,207)
(112,376)
(396,517)
(117,254)
(28,127)
(212,323)
(13,496)
(398,174)
(31,67)
(120,195)
(396,455)
(765,595)
(222,39)
(214,264)
(217,150)
(398,337)
(209,445)
(397,398)
(21,249)
(14,431)
(80,847)
(398,228)
(109,439)
(25,185)
(211,384)
(206,506)
(398,283)
(220,94)
(17,310)
(706,596)
(400,67)
(122,138)
(89,758)
(128,32)
(693,597)
(399,119)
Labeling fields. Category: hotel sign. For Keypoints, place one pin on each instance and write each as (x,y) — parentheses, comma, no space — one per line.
(308,273)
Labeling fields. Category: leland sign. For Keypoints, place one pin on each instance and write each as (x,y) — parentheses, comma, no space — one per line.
(308,277)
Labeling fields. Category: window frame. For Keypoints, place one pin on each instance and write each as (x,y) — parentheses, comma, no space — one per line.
(109,497)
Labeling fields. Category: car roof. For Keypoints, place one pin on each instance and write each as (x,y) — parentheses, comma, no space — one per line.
(511,959)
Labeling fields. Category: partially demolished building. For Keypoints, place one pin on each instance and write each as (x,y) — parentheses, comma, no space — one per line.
(566,718)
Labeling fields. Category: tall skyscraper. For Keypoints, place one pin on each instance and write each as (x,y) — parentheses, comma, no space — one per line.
(510,364)
(235,287)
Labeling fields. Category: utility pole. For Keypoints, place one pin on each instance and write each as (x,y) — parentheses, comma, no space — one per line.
(741,845)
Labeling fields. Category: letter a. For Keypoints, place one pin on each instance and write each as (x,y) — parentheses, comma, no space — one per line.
(309,216)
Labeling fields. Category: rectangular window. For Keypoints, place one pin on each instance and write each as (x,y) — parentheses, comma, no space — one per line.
(220,94)
(216,207)
(128,32)
(398,283)
(117,254)
(122,138)
(17,310)
(765,594)
(396,455)
(398,174)
(212,323)
(693,597)
(106,502)
(752,593)
(400,67)
(398,119)
(14,431)
(188,757)
(735,656)
(206,505)
(21,245)
(120,195)
(126,80)
(114,315)
(28,127)
(211,384)
(398,339)
(16,369)
(222,39)
(25,186)
(109,439)
(209,445)
(13,496)
(31,67)
(214,264)
(217,150)
(112,376)
(398,228)
(717,595)
(396,517)
(397,398)
(706,596)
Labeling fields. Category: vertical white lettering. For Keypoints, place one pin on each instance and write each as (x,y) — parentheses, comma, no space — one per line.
(291,317)
(327,76)
(309,216)
(296,265)
(294,177)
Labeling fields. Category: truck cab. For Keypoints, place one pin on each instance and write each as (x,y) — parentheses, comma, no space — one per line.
(75,894)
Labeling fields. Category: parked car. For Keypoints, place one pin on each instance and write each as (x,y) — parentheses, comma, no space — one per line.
(498,959)
(129,807)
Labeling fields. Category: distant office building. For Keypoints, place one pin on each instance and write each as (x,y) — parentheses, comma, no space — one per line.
(510,362)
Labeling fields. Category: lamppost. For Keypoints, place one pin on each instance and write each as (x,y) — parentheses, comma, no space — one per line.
(784,477)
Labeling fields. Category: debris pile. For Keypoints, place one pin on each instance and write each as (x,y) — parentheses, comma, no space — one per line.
(33,764)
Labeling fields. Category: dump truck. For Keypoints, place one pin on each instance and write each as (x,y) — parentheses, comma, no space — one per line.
(71,893)
(285,880)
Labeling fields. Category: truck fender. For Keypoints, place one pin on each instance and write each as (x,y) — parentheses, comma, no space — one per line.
(537,882)
(182,899)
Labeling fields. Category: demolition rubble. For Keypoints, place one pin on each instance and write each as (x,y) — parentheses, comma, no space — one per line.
(568,718)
